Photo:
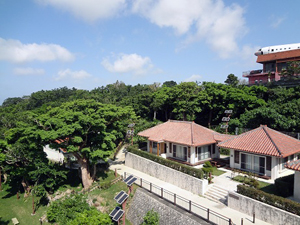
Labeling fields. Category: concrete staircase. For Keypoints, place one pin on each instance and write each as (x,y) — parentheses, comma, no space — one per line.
(217,194)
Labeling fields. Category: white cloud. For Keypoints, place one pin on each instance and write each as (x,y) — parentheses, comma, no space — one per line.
(219,25)
(75,75)
(17,52)
(28,71)
(128,63)
(89,10)
(193,78)
(276,21)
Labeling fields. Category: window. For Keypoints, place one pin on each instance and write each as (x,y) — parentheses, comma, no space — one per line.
(180,152)
(272,50)
(214,149)
(174,151)
(269,163)
(170,147)
(245,162)
(154,147)
(203,153)
(189,152)
(236,157)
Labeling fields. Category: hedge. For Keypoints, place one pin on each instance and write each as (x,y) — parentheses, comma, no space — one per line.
(198,173)
(276,201)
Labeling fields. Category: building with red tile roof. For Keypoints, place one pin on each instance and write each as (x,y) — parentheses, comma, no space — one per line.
(295,165)
(262,150)
(183,140)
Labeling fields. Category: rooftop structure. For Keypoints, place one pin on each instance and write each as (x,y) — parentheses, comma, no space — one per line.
(274,59)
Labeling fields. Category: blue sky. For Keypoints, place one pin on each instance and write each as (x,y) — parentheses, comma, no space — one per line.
(47,44)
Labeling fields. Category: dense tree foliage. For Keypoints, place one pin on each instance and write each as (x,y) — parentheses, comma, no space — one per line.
(90,124)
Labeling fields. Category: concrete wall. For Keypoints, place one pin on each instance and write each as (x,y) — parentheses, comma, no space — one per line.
(297,186)
(184,181)
(143,201)
(264,212)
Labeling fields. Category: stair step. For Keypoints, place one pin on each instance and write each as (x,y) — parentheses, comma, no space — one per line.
(217,194)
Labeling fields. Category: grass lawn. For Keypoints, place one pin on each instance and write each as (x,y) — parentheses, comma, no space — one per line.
(217,172)
(21,208)
(264,186)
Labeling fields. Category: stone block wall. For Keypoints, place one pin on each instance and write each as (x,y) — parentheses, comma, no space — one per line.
(184,181)
(264,212)
(143,201)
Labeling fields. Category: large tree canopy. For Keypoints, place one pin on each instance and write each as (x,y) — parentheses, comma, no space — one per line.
(87,129)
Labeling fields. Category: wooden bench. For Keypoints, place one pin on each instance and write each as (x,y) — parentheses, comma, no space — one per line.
(15,221)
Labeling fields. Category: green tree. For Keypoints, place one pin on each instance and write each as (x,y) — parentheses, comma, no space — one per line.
(292,69)
(91,217)
(232,80)
(186,97)
(151,218)
(87,129)
(65,210)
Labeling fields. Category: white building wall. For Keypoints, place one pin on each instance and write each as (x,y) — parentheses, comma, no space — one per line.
(297,186)
(53,155)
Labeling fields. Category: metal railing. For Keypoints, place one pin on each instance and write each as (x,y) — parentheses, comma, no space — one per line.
(192,207)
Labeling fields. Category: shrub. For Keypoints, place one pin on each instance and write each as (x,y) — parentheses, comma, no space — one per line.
(151,218)
(198,173)
(105,184)
(64,210)
(276,201)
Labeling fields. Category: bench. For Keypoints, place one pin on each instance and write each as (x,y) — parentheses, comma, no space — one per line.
(15,221)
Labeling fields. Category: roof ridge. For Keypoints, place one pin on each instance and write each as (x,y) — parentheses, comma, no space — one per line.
(192,131)
(280,153)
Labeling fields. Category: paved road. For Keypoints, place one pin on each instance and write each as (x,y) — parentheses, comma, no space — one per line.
(217,207)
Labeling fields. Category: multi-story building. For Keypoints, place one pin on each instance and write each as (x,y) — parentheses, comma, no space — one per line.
(274,59)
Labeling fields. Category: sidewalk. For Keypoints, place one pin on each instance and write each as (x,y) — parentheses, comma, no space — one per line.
(217,207)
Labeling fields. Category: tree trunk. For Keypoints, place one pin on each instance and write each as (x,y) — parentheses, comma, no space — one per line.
(86,178)
(154,115)
(209,118)
(26,187)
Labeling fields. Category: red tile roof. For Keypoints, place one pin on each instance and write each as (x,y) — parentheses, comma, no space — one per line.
(181,132)
(293,165)
(265,141)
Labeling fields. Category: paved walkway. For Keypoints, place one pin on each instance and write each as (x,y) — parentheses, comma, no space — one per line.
(217,207)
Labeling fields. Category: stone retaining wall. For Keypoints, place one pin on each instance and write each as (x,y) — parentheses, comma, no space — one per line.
(143,201)
(182,180)
(264,212)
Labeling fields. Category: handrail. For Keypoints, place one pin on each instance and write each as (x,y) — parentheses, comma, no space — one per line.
(206,210)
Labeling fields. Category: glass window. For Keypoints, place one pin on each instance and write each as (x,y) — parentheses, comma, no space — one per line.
(269,162)
(174,151)
(236,157)
(203,153)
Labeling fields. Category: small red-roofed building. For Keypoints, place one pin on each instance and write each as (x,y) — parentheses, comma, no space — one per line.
(263,151)
(295,165)
(184,141)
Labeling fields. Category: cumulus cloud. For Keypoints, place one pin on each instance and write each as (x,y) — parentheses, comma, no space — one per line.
(69,74)
(17,52)
(28,71)
(193,78)
(124,63)
(89,10)
(219,25)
